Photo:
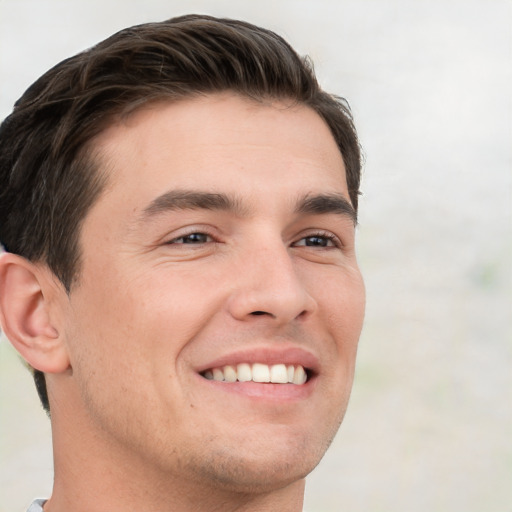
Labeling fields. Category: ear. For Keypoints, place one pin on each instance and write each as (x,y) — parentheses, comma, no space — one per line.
(27,297)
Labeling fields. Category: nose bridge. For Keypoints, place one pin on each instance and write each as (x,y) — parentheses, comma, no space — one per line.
(270,284)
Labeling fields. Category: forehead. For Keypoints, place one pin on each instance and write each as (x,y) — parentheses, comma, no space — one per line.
(221,142)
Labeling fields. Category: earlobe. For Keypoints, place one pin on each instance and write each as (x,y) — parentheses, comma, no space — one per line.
(25,314)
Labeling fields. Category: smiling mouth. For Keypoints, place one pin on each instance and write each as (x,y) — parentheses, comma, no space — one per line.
(258,372)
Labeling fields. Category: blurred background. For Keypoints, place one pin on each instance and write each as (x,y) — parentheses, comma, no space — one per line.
(429,427)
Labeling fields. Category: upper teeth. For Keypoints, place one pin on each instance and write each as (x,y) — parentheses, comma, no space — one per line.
(257,372)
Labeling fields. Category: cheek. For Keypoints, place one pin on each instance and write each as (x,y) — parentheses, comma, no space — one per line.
(107,344)
(341,299)
(342,307)
(172,309)
(123,356)
(135,315)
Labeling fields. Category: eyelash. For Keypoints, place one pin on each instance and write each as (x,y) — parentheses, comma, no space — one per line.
(187,235)
(330,237)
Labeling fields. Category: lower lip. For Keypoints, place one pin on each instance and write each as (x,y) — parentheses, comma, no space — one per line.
(264,391)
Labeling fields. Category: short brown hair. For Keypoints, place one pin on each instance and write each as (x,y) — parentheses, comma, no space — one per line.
(48,177)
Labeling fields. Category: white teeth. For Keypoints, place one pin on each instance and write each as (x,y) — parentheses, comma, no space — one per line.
(279,374)
(244,372)
(257,372)
(260,373)
(300,376)
(290,371)
(230,374)
(218,374)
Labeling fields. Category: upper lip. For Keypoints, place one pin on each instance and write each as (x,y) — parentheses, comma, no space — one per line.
(265,355)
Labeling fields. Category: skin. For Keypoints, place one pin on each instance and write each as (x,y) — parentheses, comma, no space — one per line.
(135,425)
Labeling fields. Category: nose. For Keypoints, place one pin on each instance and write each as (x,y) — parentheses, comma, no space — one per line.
(268,285)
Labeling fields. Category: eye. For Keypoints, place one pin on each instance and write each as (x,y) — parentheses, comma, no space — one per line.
(320,240)
(192,239)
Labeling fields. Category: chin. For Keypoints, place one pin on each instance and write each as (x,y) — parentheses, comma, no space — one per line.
(248,477)
(263,469)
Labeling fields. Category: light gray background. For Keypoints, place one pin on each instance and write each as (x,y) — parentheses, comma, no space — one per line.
(430,423)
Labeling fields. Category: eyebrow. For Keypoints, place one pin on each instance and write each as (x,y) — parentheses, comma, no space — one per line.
(325,204)
(176,200)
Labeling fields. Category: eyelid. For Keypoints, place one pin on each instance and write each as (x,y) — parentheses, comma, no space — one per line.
(321,234)
(191,231)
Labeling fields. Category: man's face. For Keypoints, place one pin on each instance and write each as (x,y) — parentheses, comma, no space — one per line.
(223,247)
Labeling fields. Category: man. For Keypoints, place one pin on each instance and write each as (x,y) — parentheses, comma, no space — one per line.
(178,207)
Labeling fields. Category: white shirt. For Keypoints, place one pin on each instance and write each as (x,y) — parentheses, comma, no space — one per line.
(37,506)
